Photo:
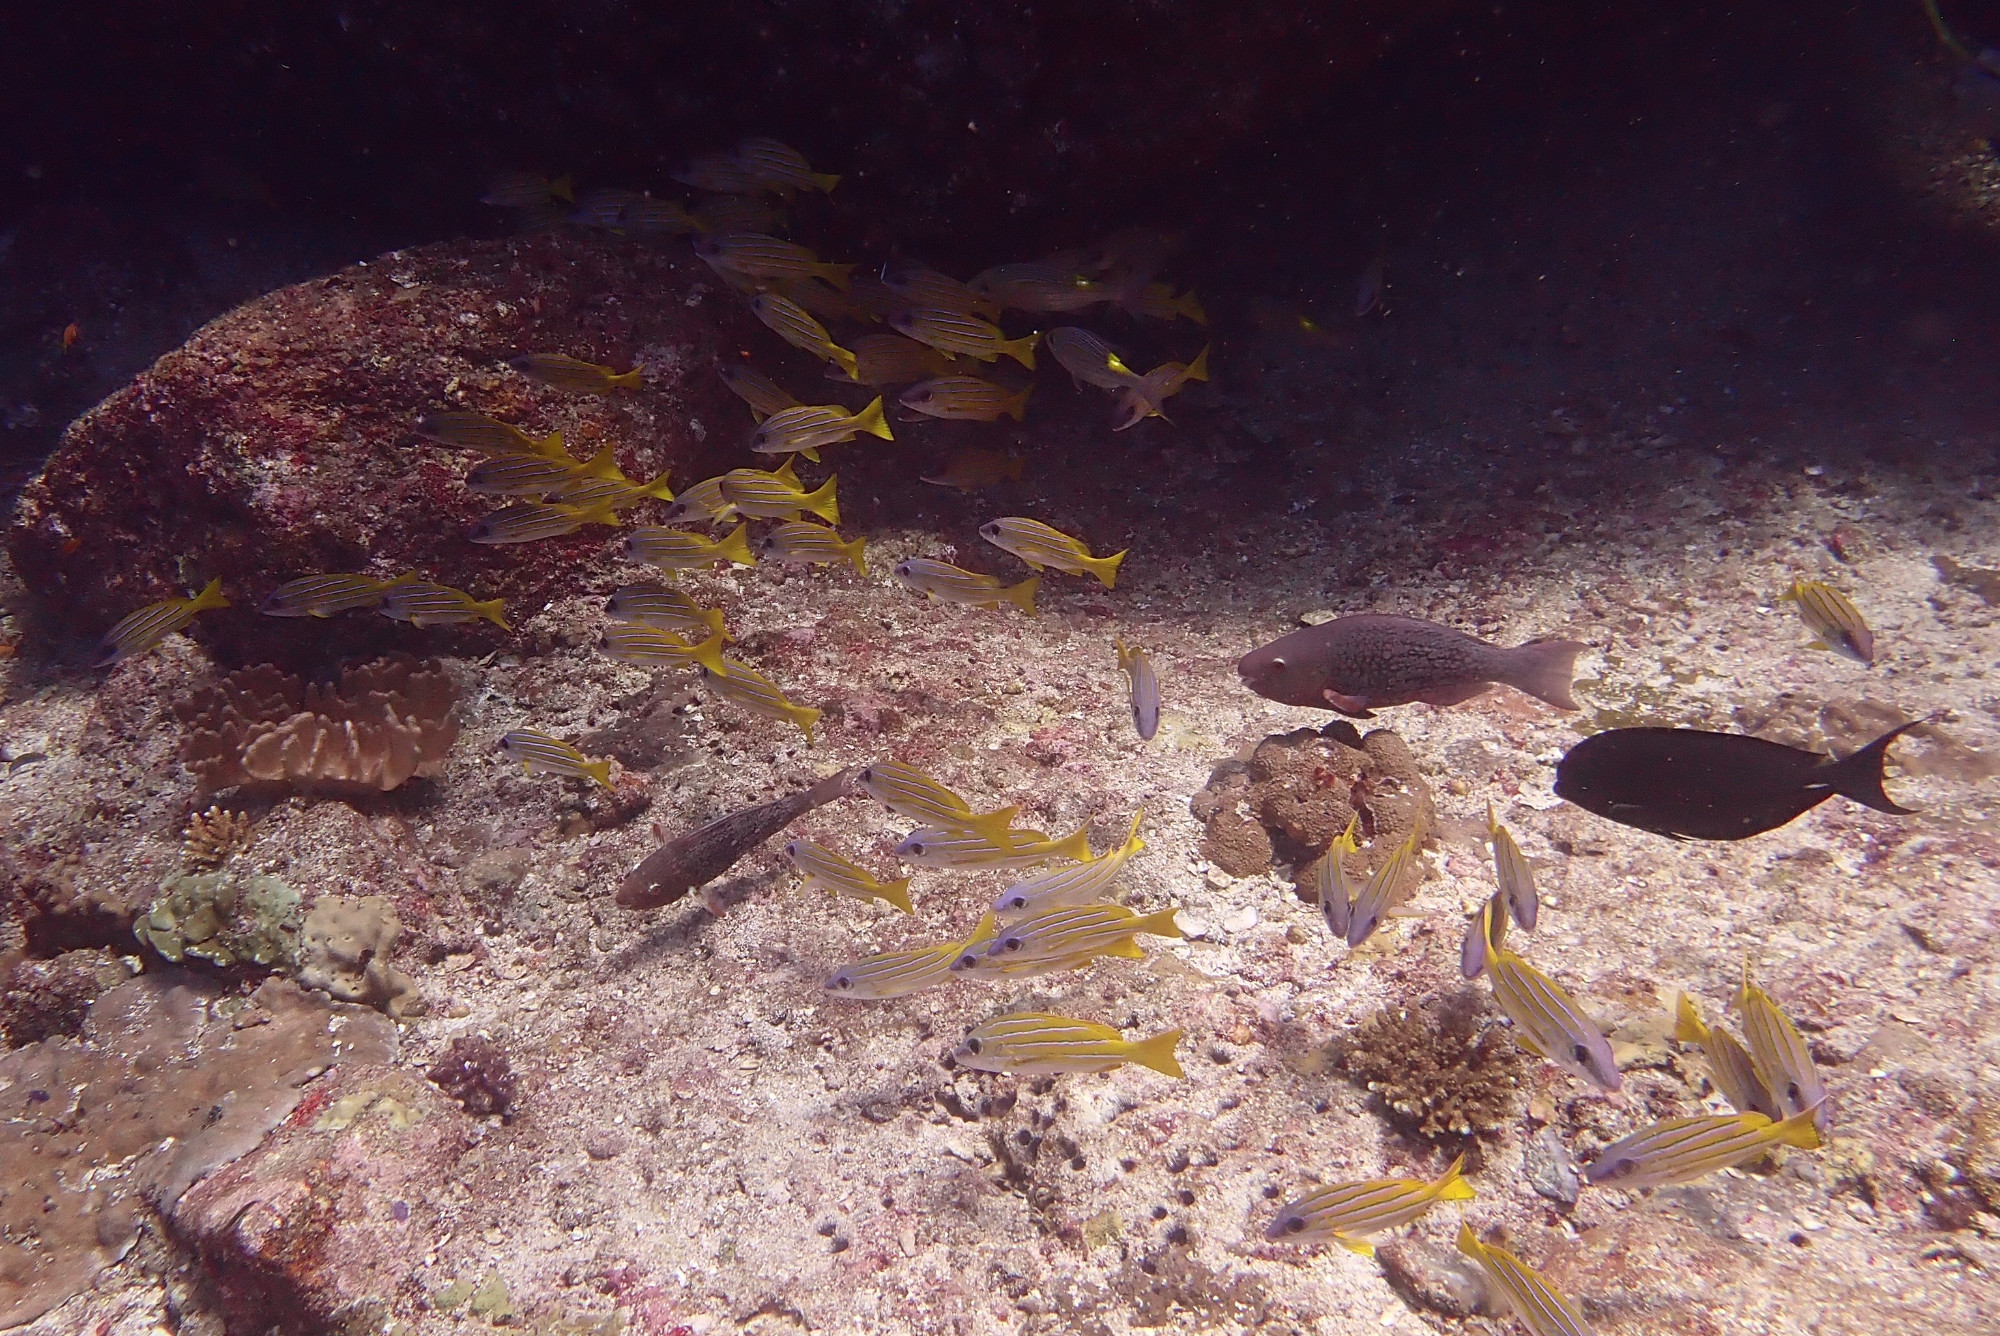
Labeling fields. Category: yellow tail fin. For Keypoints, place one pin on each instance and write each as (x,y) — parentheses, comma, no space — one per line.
(599,771)
(631,380)
(492,612)
(1022,350)
(564,187)
(845,361)
(1198,369)
(1190,306)
(1354,1245)
(857,553)
(1158,1053)
(805,716)
(1799,1130)
(1074,845)
(897,893)
(1453,1187)
(603,465)
(870,420)
(1688,1025)
(736,547)
(209,597)
(1022,595)
(1104,568)
(822,502)
(549,447)
(825,181)
(657,489)
(709,654)
(1160,923)
(1133,844)
(712,619)
(1017,408)
(835,274)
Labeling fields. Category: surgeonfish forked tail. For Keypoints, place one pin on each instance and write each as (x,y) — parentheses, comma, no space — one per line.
(1859,776)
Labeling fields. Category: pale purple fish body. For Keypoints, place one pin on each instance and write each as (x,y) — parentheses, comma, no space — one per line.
(1357,664)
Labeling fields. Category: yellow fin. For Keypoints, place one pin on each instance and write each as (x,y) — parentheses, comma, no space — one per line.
(1104,568)
(736,547)
(1158,1053)
(1198,369)
(805,716)
(631,380)
(1074,845)
(599,771)
(871,420)
(826,181)
(992,825)
(787,474)
(1688,1025)
(657,489)
(564,187)
(1190,306)
(603,465)
(1016,407)
(835,274)
(709,654)
(1453,1187)
(1799,1130)
(1362,1246)
(897,893)
(845,360)
(822,502)
(492,611)
(857,552)
(1022,350)
(210,597)
(1160,923)
(1022,595)
(1127,949)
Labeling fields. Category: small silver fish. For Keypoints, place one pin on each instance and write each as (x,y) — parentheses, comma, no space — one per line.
(325,595)
(1029,1043)
(1336,894)
(537,751)
(678,550)
(1040,545)
(1542,1308)
(900,973)
(953,584)
(1516,878)
(1384,885)
(1145,688)
(908,791)
(764,395)
(1071,932)
(800,542)
(744,686)
(644,647)
(533,521)
(768,496)
(1680,1150)
(1011,848)
(1832,617)
(664,609)
(427,603)
(1347,1212)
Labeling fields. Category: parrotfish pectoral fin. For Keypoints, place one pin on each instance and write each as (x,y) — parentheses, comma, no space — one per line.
(1354,707)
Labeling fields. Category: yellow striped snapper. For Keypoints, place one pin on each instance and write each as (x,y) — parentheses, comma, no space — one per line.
(718,173)
(824,302)
(424,603)
(779,166)
(882,360)
(532,521)
(1009,848)
(1782,1060)
(1833,619)
(1089,359)
(1516,879)
(603,207)
(1347,1213)
(1543,1309)
(1680,1150)
(1039,286)
(807,427)
(801,543)
(657,217)
(1077,884)
(791,322)
(702,503)
(1143,397)
(873,298)
(971,469)
(539,753)
(524,190)
(590,492)
(919,287)
(956,334)
(900,973)
(966,399)
(1487,929)
(909,792)
(826,870)
(1548,1022)
(679,550)
(1145,684)
(1035,1043)
(536,475)
(324,595)
(769,496)
(644,647)
(1385,887)
(954,584)
(742,685)
(664,609)
(1068,936)
(753,255)
(570,373)
(139,631)
(488,435)
(1041,546)
(764,395)
(1156,301)
(1730,1065)
(1330,882)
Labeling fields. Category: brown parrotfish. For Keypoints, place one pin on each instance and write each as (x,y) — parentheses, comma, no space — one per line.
(1354,665)
(703,854)
(1690,785)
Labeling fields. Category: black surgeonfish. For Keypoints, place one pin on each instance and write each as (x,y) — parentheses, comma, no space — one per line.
(1687,784)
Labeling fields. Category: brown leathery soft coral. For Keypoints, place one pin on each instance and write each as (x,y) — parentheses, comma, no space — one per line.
(382,723)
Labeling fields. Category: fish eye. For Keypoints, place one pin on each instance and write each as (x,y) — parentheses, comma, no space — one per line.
(1622,1168)
(1294,1224)
(1011,944)
(842,981)
(866,774)
(972,1046)
(1581,1054)
(1277,663)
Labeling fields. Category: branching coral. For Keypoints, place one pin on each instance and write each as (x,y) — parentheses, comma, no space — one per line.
(1443,1074)
(384,722)
(214,837)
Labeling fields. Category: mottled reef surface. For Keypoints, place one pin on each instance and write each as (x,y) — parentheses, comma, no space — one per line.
(594,1116)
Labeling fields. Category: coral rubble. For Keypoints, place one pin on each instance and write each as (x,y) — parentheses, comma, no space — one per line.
(383,723)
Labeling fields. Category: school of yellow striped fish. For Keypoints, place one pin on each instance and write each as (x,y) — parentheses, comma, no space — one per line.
(947,356)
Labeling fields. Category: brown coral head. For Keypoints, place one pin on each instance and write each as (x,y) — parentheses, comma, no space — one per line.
(383,722)
(1438,1070)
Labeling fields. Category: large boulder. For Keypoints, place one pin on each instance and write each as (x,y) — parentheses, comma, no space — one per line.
(278,441)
